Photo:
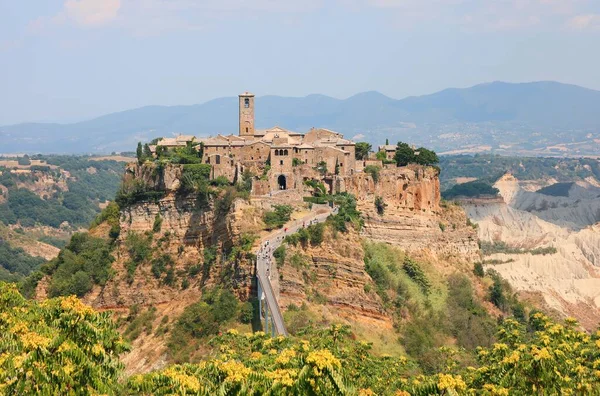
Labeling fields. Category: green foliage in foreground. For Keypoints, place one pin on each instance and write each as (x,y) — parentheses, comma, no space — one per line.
(57,347)
(61,346)
(548,358)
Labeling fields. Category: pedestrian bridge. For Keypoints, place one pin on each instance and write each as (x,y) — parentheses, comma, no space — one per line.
(269,310)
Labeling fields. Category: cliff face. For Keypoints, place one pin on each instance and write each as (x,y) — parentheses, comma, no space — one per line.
(332,274)
(413,218)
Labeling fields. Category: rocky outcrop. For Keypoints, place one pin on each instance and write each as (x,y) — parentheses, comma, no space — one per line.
(332,274)
(413,218)
(185,232)
(166,178)
(414,188)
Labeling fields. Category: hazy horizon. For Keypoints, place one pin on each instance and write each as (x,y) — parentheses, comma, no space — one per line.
(94,116)
(72,60)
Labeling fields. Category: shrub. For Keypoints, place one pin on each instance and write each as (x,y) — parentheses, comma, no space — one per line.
(135,191)
(478,270)
(380,205)
(474,188)
(279,255)
(315,233)
(210,258)
(246,312)
(157,223)
(224,202)
(220,181)
(414,271)
(373,170)
(139,248)
(139,323)
(160,264)
(347,213)
(278,217)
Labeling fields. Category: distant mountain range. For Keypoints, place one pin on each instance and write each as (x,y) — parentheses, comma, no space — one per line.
(539,118)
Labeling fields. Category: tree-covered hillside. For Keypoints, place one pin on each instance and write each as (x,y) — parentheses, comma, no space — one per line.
(46,199)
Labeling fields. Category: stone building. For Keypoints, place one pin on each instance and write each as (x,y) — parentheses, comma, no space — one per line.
(285,157)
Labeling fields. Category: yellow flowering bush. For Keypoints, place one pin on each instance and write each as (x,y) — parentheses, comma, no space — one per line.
(60,346)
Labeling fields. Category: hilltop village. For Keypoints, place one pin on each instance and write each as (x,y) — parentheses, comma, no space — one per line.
(286,158)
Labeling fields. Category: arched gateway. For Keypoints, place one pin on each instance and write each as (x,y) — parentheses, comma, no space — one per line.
(281,182)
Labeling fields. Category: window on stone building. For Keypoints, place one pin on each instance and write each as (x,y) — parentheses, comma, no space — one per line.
(281,162)
(246,104)
(285,152)
(246,130)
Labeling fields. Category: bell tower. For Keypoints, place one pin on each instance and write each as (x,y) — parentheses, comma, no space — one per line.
(246,114)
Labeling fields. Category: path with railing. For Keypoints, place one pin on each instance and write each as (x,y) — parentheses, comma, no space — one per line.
(269,309)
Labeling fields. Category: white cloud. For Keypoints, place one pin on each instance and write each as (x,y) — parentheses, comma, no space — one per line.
(92,12)
(584,22)
(86,13)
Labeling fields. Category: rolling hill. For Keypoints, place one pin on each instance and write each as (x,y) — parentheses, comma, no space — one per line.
(538,118)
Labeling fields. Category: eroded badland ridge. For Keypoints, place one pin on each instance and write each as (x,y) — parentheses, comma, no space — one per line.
(563,226)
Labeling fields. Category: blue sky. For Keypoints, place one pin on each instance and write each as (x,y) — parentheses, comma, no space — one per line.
(69,60)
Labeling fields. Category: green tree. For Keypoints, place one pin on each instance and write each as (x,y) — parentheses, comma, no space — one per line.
(139,152)
(361,150)
(426,157)
(147,152)
(404,154)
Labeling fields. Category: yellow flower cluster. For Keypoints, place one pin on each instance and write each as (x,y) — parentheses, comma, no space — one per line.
(34,340)
(234,371)
(184,381)
(512,358)
(75,305)
(450,382)
(284,376)
(541,354)
(256,356)
(322,359)
(495,390)
(285,356)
